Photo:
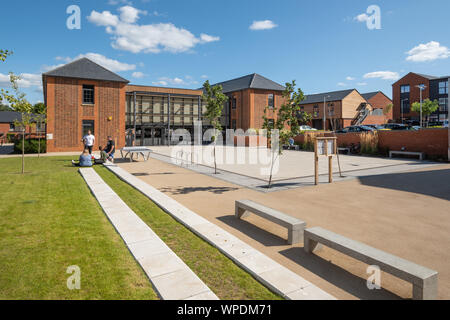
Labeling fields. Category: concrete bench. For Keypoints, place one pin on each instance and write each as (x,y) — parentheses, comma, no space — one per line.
(347,150)
(132,151)
(424,280)
(295,226)
(407,153)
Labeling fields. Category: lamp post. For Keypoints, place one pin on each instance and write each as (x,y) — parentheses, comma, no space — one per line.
(421,87)
(325,112)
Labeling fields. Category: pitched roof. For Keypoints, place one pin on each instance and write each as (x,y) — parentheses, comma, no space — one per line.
(251,81)
(85,69)
(330,96)
(370,95)
(11,116)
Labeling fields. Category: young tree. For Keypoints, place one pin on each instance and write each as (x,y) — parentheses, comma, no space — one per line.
(287,122)
(214,99)
(19,103)
(428,107)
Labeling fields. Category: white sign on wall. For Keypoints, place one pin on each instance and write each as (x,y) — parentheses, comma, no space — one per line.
(50,136)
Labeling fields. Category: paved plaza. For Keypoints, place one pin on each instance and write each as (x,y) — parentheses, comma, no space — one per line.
(399,206)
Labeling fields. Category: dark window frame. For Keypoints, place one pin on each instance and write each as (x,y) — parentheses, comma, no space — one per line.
(444,87)
(88,94)
(87,125)
(270,97)
(404,87)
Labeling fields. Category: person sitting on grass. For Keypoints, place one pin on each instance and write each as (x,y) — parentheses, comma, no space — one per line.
(84,161)
(109,150)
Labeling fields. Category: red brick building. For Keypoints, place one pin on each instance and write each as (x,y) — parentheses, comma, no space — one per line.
(83,95)
(405,92)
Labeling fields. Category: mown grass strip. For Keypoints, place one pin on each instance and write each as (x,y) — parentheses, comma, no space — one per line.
(221,275)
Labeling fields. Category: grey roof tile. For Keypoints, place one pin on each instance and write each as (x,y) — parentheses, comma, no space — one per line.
(85,69)
(251,81)
(330,96)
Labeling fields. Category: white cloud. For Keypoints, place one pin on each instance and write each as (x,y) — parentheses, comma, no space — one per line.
(263,25)
(341,84)
(138,75)
(384,75)
(362,83)
(350,78)
(27,80)
(128,14)
(204,76)
(105,19)
(362,17)
(116,2)
(129,36)
(205,38)
(177,81)
(160,83)
(430,51)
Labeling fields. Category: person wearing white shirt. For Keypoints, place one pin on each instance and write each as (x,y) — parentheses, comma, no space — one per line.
(89,141)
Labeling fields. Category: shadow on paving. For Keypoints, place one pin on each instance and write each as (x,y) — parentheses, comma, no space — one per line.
(187,190)
(435,183)
(337,276)
(262,236)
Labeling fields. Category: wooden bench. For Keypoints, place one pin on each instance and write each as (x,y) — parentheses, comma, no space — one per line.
(424,280)
(295,226)
(407,153)
(132,151)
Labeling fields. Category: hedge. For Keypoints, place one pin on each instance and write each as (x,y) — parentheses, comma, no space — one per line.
(31,146)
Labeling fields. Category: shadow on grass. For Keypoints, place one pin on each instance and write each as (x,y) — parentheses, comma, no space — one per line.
(188,190)
(337,276)
(262,236)
(433,183)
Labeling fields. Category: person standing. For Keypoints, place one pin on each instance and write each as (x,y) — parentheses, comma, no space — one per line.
(89,141)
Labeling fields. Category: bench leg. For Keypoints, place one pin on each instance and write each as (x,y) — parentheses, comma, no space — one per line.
(429,291)
(241,213)
(309,245)
(295,236)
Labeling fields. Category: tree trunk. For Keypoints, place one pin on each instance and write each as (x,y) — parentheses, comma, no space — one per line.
(215,161)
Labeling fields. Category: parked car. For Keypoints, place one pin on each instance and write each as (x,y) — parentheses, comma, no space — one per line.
(307,128)
(397,126)
(377,127)
(356,129)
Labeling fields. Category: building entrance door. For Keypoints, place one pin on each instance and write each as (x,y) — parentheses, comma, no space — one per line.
(152,136)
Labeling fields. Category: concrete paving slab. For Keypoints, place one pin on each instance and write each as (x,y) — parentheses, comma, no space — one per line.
(310,293)
(284,280)
(171,277)
(158,264)
(148,248)
(259,263)
(179,285)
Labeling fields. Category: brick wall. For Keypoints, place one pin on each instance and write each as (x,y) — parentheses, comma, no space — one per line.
(433,142)
(380,101)
(65,113)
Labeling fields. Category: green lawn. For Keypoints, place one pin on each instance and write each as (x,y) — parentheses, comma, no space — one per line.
(221,275)
(50,221)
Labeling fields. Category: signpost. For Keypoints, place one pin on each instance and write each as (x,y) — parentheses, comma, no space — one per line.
(324,147)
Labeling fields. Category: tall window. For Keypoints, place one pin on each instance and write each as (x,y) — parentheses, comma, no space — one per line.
(11,127)
(233,103)
(271,102)
(406,106)
(316,111)
(405,89)
(88,94)
(88,125)
(443,104)
(443,87)
(233,124)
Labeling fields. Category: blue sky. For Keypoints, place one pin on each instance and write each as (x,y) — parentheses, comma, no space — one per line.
(323,45)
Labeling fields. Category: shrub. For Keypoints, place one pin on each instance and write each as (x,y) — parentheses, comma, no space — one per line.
(10,137)
(31,146)
(369,143)
(308,142)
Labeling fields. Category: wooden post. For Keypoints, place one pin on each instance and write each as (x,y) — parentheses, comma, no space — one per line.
(330,169)
(316,163)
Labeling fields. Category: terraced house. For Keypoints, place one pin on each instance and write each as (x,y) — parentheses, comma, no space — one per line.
(338,109)
(83,96)
(406,91)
